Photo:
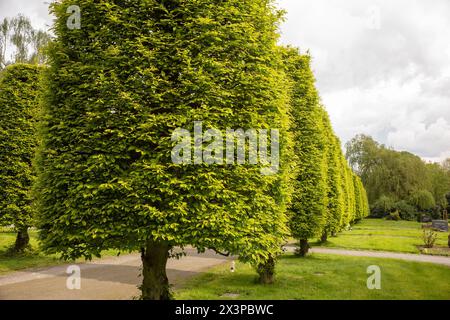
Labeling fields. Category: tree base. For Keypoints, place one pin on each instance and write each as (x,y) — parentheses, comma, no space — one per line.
(267,272)
(303,249)
(22,241)
(324,237)
(155,284)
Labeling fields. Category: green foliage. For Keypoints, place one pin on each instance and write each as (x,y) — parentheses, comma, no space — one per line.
(383,206)
(395,216)
(385,171)
(310,199)
(336,203)
(118,88)
(447,196)
(327,195)
(440,183)
(350,203)
(399,176)
(407,212)
(19,87)
(429,238)
(423,200)
(360,199)
(366,206)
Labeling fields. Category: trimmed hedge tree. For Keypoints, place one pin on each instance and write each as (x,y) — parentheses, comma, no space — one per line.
(117,89)
(328,197)
(19,85)
(335,192)
(309,203)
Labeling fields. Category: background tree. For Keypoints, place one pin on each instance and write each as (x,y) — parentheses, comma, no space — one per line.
(18,98)
(4,37)
(440,183)
(21,37)
(423,200)
(39,40)
(384,171)
(400,176)
(117,89)
(22,41)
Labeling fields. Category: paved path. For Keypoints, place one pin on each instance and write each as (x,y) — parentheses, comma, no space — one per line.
(114,278)
(381,254)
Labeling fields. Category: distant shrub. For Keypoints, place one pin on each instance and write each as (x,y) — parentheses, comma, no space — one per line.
(395,216)
(429,238)
(406,211)
(436,213)
(382,207)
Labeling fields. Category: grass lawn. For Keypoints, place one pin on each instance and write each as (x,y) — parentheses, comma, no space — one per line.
(383,235)
(36,259)
(323,277)
(28,260)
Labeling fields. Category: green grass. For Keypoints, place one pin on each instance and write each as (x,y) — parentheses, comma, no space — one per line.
(383,235)
(23,261)
(323,277)
(33,259)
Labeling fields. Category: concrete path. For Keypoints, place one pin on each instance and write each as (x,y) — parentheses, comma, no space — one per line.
(114,278)
(381,254)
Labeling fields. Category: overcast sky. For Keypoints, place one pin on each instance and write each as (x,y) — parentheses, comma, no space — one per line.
(382,66)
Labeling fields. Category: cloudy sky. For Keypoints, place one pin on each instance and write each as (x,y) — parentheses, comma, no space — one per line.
(382,66)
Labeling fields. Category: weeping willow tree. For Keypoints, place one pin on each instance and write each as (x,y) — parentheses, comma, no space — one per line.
(117,90)
(19,87)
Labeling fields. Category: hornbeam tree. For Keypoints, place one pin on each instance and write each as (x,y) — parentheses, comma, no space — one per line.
(361,199)
(335,192)
(19,88)
(117,89)
(349,216)
(308,211)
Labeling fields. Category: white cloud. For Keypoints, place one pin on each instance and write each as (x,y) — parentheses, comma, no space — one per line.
(382,67)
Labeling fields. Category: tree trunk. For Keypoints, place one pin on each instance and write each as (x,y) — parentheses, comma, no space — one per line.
(155,284)
(324,237)
(267,271)
(304,248)
(22,240)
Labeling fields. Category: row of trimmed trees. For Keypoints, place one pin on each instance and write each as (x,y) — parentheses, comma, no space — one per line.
(328,196)
(112,95)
